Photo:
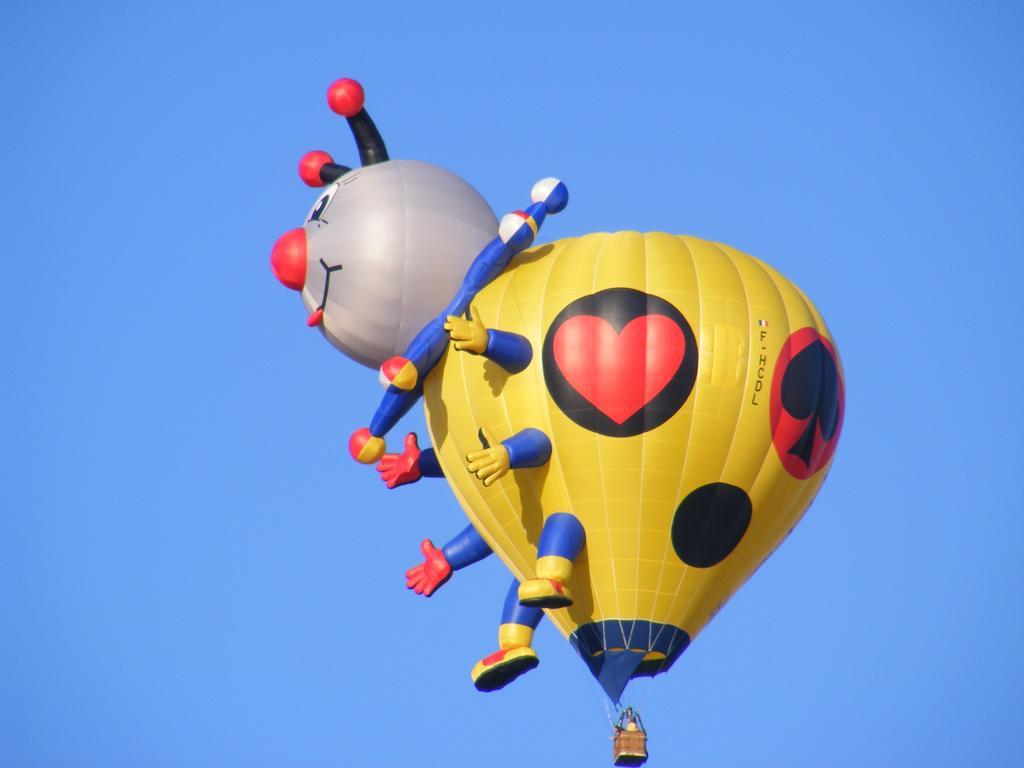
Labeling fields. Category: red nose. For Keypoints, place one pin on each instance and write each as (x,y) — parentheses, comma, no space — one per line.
(288,259)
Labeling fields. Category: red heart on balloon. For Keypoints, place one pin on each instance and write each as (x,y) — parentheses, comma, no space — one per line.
(619,372)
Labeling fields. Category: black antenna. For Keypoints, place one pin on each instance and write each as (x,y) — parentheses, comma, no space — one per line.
(317,168)
(346,97)
(368,139)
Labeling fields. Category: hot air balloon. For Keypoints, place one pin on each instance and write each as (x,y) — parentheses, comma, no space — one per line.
(644,417)
(693,399)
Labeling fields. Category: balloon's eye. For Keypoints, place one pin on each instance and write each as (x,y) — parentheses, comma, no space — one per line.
(318,211)
(322,204)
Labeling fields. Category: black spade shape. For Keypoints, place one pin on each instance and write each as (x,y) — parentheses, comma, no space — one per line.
(709,523)
(810,390)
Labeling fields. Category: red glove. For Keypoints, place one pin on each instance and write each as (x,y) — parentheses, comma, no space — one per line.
(401,468)
(426,578)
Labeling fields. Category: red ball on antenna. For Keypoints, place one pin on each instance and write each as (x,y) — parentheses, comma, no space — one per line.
(310,165)
(345,96)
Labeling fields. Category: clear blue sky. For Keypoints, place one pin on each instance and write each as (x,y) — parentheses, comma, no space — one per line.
(193,573)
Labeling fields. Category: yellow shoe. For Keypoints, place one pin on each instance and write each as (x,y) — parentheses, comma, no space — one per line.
(494,672)
(544,593)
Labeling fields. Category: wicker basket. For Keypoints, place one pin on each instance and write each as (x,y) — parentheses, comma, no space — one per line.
(629,747)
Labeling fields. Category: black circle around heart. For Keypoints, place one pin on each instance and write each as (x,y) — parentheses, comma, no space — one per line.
(709,523)
(620,362)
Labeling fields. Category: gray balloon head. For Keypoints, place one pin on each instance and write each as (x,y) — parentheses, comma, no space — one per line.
(384,247)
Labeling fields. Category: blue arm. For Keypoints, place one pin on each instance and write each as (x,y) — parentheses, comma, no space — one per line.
(430,344)
(509,350)
(429,465)
(426,349)
(528,448)
(466,548)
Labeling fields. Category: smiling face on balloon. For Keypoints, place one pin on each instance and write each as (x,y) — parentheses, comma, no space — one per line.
(383,245)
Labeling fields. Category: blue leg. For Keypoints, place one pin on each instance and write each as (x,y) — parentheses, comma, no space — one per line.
(514,613)
(561,540)
(514,656)
(562,536)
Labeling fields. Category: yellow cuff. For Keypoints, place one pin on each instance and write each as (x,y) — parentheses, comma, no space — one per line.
(406,378)
(554,567)
(514,636)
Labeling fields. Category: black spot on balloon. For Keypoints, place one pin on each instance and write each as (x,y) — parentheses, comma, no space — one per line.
(709,523)
(810,390)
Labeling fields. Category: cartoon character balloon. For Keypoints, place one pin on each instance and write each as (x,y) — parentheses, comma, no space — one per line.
(383,246)
(643,417)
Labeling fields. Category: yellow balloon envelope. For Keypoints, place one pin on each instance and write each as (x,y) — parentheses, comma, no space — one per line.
(693,397)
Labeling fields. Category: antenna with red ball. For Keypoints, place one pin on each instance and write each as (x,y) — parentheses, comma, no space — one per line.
(317,168)
(345,97)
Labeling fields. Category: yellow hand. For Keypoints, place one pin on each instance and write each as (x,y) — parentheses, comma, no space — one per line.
(468,335)
(491,463)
